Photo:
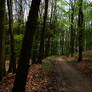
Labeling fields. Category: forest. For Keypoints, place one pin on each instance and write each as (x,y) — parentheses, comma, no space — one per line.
(33,32)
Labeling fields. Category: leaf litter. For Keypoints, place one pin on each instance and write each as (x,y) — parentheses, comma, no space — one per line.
(38,80)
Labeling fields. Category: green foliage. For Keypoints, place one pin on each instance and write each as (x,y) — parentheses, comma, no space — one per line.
(18,37)
(50,58)
(63,2)
(6,27)
(21,26)
(75,61)
(58,29)
(46,64)
(15,26)
(89,56)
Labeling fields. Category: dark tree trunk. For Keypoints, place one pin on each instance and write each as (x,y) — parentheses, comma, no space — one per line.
(81,29)
(12,66)
(47,49)
(41,50)
(51,27)
(54,43)
(62,43)
(2,39)
(23,63)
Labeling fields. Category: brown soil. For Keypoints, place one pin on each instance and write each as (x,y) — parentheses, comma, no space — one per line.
(70,79)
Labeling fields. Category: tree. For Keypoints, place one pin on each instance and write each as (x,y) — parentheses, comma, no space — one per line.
(12,67)
(54,28)
(72,28)
(2,38)
(21,15)
(23,63)
(41,50)
(81,29)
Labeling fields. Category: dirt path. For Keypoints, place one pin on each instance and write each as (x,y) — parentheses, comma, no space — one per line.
(70,79)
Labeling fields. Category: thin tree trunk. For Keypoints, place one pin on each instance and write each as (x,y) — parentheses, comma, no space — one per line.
(72,29)
(12,66)
(62,42)
(20,16)
(2,39)
(23,63)
(47,48)
(41,50)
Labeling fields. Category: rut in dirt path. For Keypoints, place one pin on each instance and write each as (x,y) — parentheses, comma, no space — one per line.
(69,79)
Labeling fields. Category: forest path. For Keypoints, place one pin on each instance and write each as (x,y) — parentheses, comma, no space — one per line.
(70,79)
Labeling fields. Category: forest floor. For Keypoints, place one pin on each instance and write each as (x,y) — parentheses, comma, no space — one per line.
(40,78)
(61,74)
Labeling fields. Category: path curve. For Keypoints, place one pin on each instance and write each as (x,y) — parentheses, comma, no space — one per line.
(69,79)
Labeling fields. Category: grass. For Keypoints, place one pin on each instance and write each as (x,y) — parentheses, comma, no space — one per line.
(46,64)
(50,58)
(49,65)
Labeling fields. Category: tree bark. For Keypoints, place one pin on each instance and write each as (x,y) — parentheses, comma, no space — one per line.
(21,15)
(47,47)
(41,50)
(2,39)
(23,63)
(12,66)
(81,29)
(72,29)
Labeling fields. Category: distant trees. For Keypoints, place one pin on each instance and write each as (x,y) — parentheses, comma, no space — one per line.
(2,38)
(23,63)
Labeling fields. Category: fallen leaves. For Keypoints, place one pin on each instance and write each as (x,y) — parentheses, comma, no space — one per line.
(86,67)
(7,83)
(38,81)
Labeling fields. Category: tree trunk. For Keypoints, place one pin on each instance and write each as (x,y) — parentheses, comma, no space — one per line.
(72,29)
(12,66)
(41,50)
(62,42)
(47,48)
(81,29)
(23,63)
(20,16)
(2,39)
